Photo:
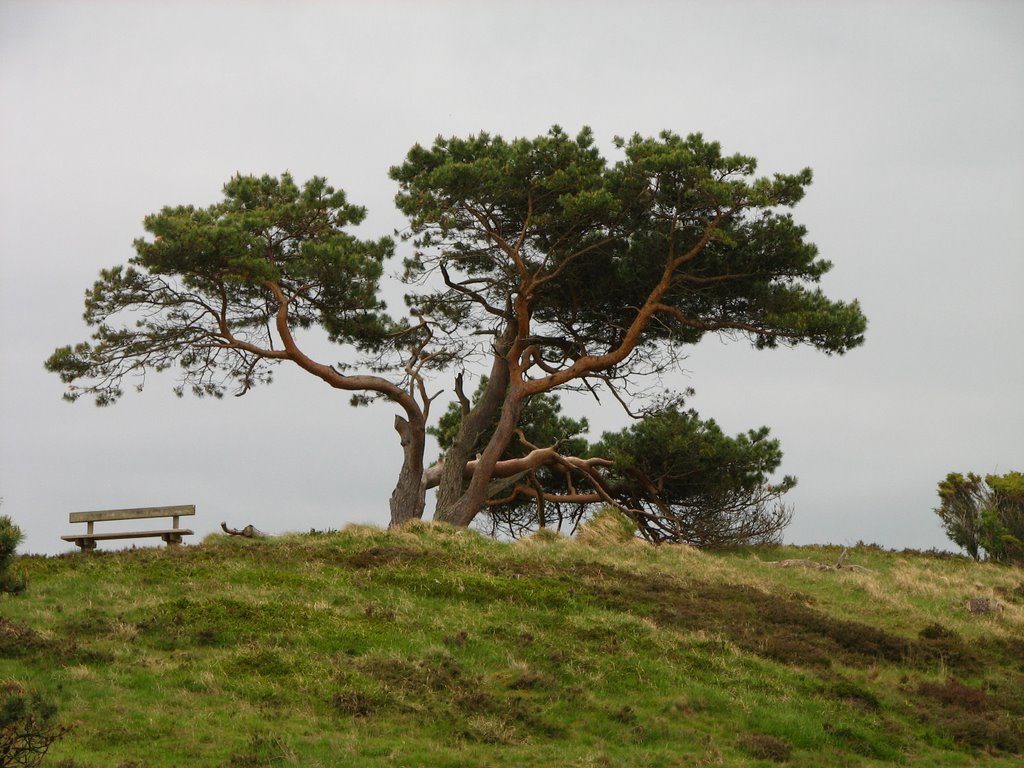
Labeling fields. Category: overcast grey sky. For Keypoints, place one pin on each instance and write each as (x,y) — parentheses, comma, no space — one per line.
(911,114)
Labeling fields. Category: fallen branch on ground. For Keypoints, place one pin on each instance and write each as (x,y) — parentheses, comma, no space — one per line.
(249,532)
(814,565)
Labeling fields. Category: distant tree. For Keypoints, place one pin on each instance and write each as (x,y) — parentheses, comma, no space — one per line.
(1002,522)
(561,270)
(984,516)
(219,292)
(10,538)
(962,500)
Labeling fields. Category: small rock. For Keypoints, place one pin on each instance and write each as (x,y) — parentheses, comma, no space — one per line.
(983,605)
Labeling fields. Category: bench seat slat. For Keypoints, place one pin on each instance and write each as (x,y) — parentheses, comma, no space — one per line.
(128,535)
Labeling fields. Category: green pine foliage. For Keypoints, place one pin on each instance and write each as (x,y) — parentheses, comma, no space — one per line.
(207,284)
(10,538)
(28,727)
(696,485)
(549,227)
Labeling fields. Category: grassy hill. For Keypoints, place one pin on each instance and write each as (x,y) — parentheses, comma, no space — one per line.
(432,646)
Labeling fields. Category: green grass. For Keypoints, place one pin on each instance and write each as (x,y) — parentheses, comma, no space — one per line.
(437,647)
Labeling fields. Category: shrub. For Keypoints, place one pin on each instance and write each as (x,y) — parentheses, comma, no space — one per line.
(28,727)
(10,538)
(764,747)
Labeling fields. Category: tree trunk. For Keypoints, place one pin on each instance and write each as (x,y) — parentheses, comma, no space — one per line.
(409,497)
(474,424)
(472,500)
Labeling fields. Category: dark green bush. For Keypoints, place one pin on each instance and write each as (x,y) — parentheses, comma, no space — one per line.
(10,538)
(765,747)
(28,727)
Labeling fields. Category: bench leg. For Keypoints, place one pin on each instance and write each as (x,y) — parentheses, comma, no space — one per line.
(86,545)
(171,539)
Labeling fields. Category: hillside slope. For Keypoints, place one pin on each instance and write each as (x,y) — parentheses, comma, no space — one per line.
(431,646)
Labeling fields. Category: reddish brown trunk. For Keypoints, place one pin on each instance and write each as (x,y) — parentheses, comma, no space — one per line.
(474,424)
(409,497)
(472,500)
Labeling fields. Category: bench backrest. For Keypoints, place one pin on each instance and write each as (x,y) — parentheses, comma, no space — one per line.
(140,513)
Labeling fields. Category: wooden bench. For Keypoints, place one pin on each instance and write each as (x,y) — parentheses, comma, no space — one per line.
(172,536)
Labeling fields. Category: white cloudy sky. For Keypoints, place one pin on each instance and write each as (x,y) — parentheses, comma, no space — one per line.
(910,113)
